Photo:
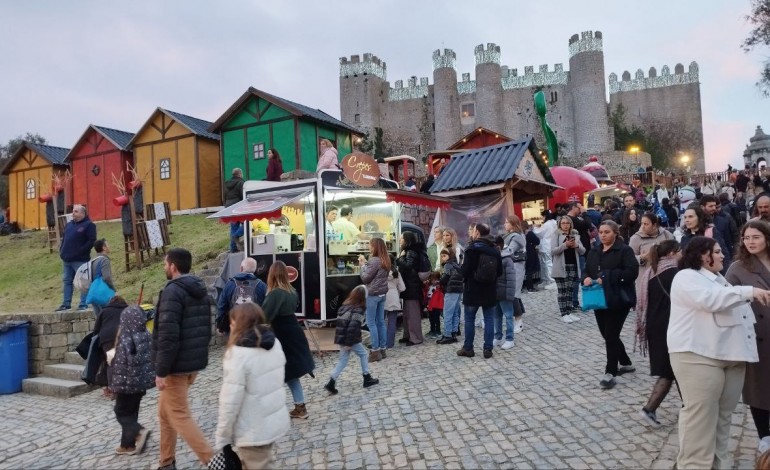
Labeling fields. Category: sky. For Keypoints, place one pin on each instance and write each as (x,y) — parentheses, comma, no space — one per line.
(72,63)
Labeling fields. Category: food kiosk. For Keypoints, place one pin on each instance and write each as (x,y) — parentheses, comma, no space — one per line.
(290,221)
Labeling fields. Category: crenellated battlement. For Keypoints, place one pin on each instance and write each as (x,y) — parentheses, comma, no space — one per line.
(412,90)
(587,41)
(466,86)
(511,79)
(371,65)
(445,60)
(653,80)
(488,55)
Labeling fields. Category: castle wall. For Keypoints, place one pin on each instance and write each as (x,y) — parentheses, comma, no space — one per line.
(446,104)
(404,122)
(488,87)
(363,91)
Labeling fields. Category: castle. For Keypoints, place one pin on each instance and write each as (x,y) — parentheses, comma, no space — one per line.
(421,117)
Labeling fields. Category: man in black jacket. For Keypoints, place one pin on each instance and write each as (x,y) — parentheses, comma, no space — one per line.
(479,294)
(233,195)
(181,337)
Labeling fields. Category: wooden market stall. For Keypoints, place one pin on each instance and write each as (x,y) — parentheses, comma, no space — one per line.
(478,138)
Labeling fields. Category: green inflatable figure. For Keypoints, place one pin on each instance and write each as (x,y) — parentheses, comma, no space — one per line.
(550,137)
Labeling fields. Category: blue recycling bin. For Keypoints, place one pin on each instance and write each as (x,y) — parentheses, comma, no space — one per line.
(14,354)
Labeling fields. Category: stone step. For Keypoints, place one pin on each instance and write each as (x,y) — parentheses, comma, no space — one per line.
(74,358)
(63,371)
(52,387)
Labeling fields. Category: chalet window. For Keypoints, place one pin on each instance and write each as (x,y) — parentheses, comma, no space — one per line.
(165,168)
(259,151)
(468,110)
(357,118)
(31,189)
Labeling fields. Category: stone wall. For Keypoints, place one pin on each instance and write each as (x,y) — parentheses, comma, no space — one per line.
(420,216)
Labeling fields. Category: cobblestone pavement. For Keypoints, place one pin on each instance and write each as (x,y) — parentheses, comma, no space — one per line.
(535,406)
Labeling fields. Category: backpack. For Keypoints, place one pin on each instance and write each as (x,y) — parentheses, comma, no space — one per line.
(245,291)
(83,276)
(486,269)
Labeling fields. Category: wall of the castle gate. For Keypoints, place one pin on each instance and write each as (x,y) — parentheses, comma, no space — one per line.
(678,103)
(404,124)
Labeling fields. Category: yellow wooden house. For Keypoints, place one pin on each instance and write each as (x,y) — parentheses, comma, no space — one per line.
(178,160)
(30,173)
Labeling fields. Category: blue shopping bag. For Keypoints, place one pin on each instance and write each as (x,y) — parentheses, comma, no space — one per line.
(99,293)
(593,297)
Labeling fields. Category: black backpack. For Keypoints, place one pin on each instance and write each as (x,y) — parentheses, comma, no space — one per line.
(486,269)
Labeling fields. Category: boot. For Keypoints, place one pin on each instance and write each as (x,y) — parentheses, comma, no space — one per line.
(374,355)
(299,411)
(330,387)
(369,380)
(383,354)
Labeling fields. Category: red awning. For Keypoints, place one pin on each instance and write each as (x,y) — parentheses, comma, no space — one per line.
(260,206)
(416,199)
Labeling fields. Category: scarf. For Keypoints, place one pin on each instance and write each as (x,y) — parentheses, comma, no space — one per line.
(641,303)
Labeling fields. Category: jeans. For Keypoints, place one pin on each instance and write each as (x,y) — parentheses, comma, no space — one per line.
(236,231)
(174,418)
(504,309)
(70,267)
(127,415)
(582,263)
(390,337)
(360,351)
(489,326)
(451,313)
(295,387)
(375,320)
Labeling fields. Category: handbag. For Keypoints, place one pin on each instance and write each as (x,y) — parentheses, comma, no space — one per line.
(225,459)
(84,345)
(99,293)
(593,297)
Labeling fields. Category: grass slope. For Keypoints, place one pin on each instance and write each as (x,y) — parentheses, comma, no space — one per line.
(30,276)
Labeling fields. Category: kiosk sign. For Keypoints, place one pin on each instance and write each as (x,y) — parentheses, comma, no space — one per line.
(361,169)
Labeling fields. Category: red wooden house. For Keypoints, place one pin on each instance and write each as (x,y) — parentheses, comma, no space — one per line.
(478,138)
(98,155)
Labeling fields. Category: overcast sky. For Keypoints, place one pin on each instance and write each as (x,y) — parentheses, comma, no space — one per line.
(67,64)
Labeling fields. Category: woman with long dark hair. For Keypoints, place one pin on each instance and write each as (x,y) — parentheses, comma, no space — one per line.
(374,274)
(629,224)
(697,223)
(752,268)
(409,266)
(710,339)
(252,407)
(613,265)
(274,165)
(280,306)
(652,313)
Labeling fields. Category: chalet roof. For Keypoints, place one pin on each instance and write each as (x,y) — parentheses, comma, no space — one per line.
(296,109)
(55,155)
(488,165)
(474,133)
(197,126)
(119,139)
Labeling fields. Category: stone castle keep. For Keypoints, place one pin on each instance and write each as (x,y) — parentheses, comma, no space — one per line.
(421,117)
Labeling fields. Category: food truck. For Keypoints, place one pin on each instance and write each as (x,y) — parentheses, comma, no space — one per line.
(301,223)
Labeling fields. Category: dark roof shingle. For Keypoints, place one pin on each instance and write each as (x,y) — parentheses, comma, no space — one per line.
(119,138)
(55,155)
(197,126)
(487,165)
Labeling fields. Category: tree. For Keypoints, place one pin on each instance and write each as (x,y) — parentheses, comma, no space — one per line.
(760,36)
(6,151)
(375,147)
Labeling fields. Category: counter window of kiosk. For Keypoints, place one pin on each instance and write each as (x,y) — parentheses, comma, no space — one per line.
(293,231)
(352,218)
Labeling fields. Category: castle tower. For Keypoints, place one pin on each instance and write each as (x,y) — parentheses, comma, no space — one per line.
(446,103)
(489,100)
(363,89)
(589,94)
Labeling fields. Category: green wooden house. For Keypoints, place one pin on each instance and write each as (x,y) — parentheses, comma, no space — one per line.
(258,121)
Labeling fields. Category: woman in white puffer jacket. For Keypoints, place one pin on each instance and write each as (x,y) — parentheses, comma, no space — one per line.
(252,405)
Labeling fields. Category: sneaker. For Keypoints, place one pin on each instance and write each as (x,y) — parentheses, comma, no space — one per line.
(567,318)
(82,308)
(649,418)
(497,342)
(462,352)
(299,411)
(764,445)
(507,345)
(125,450)
(62,308)
(447,340)
(626,369)
(487,353)
(141,439)
(574,317)
(607,381)
(518,324)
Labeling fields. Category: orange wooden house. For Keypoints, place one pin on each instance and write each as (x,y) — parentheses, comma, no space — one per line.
(478,138)
(99,155)
(178,160)
(30,173)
